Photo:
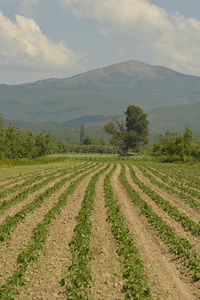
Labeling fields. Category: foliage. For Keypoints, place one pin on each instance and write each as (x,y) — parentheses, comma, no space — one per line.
(82,134)
(133,132)
(179,246)
(15,143)
(32,251)
(171,144)
(136,285)
(79,276)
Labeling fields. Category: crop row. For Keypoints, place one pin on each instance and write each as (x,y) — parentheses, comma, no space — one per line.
(46,172)
(79,277)
(186,222)
(10,223)
(136,284)
(193,203)
(179,246)
(27,182)
(40,233)
(4,205)
(181,174)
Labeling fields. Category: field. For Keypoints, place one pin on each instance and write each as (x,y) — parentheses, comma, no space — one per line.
(93,229)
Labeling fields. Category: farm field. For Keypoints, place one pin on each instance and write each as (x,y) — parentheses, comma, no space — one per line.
(95,229)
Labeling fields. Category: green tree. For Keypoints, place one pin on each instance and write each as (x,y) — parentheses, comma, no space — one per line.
(133,133)
(82,134)
(173,144)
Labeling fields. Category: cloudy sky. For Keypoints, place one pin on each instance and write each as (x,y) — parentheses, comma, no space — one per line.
(60,38)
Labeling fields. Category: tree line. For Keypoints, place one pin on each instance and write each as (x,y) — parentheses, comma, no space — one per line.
(15,143)
(126,136)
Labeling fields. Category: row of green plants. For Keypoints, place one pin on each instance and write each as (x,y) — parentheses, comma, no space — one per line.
(187,199)
(186,222)
(179,185)
(15,179)
(79,273)
(10,223)
(135,279)
(30,180)
(177,245)
(33,250)
(185,174)
(27,182)
(4,205)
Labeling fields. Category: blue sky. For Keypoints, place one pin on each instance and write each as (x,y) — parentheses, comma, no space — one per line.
(60,38)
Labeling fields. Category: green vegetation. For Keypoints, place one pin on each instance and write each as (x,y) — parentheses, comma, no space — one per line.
(17,144)
(136,285)
(179,246)
(132,134)
(175,146)
(35,258)
(79,278)
(40,233)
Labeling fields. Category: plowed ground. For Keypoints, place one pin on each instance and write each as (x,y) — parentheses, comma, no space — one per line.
(166,273)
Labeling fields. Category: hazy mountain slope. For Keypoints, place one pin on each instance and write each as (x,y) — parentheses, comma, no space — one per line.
(103,92)
(174,118)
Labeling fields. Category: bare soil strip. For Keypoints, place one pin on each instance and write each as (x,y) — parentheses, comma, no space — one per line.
(174,187)
(184,182)
(17,207)
(182,206)
(163,275)
(9,251)
(106,269)
(45,276)
(10,195)
(194,240)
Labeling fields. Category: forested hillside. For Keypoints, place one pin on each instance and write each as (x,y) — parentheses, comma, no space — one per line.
(98,94)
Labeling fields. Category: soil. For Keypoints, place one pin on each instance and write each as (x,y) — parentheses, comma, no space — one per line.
(106,268)
(166,274)
(182,206)
(165,279)
(45,276)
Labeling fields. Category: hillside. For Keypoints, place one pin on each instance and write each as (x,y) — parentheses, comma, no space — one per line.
(174,118)
(99,94)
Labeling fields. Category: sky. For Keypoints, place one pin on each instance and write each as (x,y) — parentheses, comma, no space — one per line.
(42,39)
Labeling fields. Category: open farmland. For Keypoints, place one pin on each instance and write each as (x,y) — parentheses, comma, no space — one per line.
(100,230)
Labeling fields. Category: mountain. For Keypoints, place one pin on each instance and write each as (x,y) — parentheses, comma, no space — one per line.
(174,118)
(98,94)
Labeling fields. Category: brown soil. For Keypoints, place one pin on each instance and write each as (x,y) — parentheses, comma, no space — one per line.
(174,180)
(52,266)
(17,207)
(182,206)
(106,267)
(9,251)
(194,240)
(163,275)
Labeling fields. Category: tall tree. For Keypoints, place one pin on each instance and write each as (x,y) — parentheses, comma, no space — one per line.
(82,134)
(132,133)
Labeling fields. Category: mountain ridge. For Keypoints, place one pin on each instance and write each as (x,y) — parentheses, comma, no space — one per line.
(101,92)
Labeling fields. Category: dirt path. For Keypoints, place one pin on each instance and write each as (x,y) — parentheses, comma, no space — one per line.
(182,206)
(163,276)
(106,267)
(52,266)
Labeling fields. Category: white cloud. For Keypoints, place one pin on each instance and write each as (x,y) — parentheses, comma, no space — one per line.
(24,46)
(173,40)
